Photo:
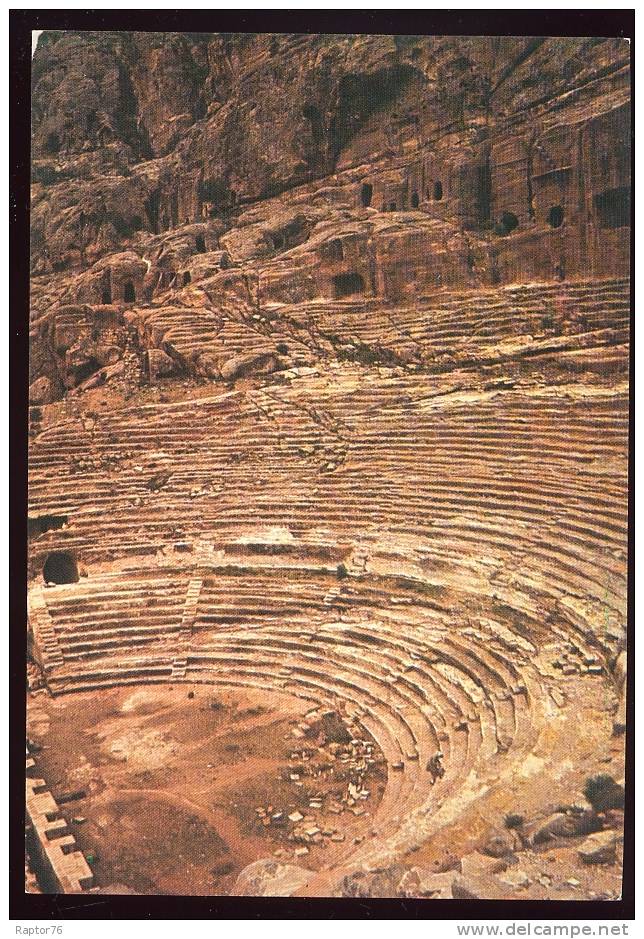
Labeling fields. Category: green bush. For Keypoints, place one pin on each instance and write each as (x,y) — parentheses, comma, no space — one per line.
(604,793)
(513,820)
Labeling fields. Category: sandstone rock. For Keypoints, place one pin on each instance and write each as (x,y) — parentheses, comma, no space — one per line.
(417,882)
(619,719)
(380,883)
(498,846)
(270,878)
(477,864)
(600,848)
(614,818)
(159,364)
(620,668)
(183,96)
(565,825)
(253,364)
(515,878)
(40,391)
(477,888)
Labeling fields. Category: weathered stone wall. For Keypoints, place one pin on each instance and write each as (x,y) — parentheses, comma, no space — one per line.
(53,849)
(179,127)
(314,167)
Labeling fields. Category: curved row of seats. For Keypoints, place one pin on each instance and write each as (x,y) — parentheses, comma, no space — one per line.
(535,484)
(476,525)
(418,680)
(470,326)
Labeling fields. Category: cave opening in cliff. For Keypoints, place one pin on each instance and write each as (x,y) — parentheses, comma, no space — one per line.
(186,278)
(438,190)
(556,216)
(392,206)
(507,223)
(613,207)
(365,194)
(129,293)
(217,194)
(106,296)
(314,116)
(415,201)
(60,568)
(200,244)
(345,285)
(360,97)
(151,206)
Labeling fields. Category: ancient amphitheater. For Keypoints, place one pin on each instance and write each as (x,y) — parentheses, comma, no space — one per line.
(328,465)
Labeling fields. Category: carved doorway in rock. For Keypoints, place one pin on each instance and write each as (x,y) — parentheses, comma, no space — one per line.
(345,285)
(60,568)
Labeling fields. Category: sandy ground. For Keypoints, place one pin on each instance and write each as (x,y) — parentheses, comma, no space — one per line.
(182,784)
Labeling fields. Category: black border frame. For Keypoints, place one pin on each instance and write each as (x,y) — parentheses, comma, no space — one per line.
(618,23)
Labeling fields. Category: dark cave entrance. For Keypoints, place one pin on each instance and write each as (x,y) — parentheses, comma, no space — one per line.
(345,285)
(613,207)
(509,222)
(365,194)
(359,97)
(314,115)
(555,216)
(415,201)
(106,296)
(151,206)
(200,244)
(438,190)
(129,293)
(186,278)
(60,568)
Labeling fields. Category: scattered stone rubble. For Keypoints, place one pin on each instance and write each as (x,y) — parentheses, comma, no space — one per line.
(331,775)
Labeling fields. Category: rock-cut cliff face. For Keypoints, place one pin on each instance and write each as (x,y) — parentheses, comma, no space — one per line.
(313,166)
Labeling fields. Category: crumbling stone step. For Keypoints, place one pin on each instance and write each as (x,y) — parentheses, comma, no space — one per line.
(190,607)
(55,846)
(46,642)
(179,666)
